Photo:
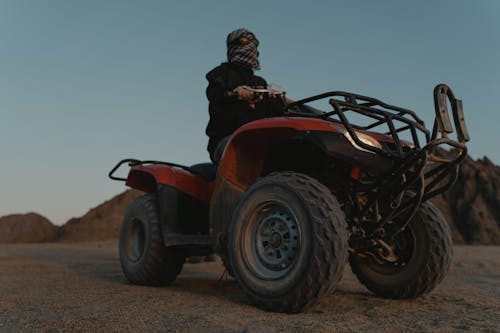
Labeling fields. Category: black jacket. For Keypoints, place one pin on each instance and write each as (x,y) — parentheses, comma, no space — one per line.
(229,113)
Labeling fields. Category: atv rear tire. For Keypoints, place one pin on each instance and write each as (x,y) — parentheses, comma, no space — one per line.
(287,242)
(143,256)
(426,250)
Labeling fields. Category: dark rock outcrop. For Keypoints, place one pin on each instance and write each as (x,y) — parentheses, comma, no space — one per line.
(472,205)
(26,228)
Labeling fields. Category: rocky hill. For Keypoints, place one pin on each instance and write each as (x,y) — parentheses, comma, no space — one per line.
(26,228)
(101,222)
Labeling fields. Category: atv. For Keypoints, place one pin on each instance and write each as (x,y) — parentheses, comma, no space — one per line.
(296,196)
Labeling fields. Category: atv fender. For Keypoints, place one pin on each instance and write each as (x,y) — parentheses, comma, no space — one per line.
(244,156)
(147,178)
(183,199)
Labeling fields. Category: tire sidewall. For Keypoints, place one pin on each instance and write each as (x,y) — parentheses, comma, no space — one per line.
(137,211)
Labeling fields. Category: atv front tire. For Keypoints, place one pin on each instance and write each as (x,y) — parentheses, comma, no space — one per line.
(424,249)
(143,256)
(287,242)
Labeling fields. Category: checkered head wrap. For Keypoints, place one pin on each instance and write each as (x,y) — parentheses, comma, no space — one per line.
(237,52)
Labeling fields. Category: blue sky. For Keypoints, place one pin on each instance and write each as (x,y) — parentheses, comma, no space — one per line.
(84,84)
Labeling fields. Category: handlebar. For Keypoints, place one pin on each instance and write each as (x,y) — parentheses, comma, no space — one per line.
(258,92)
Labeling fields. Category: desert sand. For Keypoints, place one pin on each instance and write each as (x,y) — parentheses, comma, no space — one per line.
(79,287)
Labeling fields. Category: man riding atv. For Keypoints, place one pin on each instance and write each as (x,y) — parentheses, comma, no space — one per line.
(229,111)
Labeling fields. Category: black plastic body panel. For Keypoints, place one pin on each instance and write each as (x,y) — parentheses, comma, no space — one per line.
(337,146)
(224,201)
(184,219)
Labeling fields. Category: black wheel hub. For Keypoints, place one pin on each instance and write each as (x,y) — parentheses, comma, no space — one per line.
(272,241)
(276,240)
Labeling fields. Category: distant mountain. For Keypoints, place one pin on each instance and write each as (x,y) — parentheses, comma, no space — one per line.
(26,228)
(471,207)
(99,223)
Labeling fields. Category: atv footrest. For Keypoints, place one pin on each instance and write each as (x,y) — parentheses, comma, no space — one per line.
(175,239)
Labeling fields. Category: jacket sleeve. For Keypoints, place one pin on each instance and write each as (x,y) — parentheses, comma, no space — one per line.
(221,105)
(218,85)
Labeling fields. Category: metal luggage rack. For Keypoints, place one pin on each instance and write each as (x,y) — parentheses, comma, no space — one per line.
(423,170)
(381,113)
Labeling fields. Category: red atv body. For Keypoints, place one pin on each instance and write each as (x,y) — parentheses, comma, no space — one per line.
(293,195)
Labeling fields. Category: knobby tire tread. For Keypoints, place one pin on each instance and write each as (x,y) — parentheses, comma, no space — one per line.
(162,265)
(436,267)
(330,239)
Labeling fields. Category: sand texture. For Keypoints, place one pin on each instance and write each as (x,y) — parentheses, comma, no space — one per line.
(79,287)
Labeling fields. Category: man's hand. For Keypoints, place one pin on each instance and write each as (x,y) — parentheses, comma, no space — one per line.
(244,93)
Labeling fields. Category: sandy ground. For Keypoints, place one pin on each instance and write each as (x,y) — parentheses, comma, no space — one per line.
(80,287)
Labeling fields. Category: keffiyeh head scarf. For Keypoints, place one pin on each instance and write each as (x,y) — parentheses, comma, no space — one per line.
(243,52)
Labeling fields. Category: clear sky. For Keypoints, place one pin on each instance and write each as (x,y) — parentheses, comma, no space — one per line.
(84,84)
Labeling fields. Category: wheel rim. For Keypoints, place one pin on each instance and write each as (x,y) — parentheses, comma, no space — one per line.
(136,240)
(271,240)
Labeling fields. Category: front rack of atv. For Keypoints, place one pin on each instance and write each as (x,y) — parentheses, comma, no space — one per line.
(425,171)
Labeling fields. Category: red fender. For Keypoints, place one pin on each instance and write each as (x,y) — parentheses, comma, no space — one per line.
(147,177)
(244,155)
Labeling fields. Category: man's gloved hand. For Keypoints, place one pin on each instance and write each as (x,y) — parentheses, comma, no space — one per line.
(244,94)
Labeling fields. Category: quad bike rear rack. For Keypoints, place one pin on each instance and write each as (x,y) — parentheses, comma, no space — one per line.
(419,172)
(134,162)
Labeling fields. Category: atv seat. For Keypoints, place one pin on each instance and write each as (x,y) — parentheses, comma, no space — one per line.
(207,170)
